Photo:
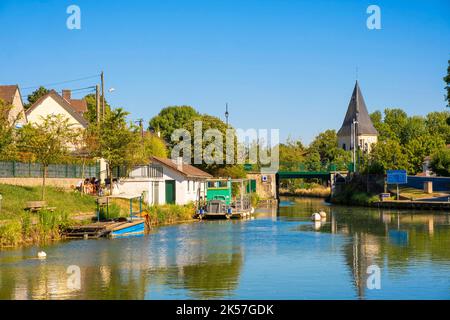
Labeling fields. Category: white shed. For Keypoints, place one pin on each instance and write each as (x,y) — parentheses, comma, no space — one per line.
(166,181)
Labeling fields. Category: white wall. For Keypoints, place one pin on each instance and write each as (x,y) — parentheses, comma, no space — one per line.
(50,107)
(369,139)
(184,194)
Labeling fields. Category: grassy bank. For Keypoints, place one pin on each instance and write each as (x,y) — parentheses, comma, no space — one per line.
(316,192)
(351,194)
(18,227)
(170,213)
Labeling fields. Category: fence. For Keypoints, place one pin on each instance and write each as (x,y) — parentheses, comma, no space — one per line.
(14,169)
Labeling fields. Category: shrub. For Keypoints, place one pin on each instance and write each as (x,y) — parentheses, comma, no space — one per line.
(11,233)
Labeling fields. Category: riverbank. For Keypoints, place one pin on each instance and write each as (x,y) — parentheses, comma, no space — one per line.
(19,227)
(316,192)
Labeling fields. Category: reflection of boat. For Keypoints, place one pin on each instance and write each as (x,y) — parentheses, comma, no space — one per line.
(226,199)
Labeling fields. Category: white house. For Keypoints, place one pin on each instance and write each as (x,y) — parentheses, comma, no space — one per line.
(54,104)
(11,95)
(166,181)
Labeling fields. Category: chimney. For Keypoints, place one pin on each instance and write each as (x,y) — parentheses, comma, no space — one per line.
(67,94)
(180,163)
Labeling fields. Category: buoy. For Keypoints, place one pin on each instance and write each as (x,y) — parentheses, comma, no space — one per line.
(317,225)
(315,217)
(323,214)
(42,255)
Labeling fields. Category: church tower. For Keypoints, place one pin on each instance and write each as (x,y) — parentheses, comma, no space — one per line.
(357,127)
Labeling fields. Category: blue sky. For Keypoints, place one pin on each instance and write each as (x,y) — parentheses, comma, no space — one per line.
(279,64)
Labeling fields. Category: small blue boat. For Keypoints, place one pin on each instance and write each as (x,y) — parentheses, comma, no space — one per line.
(137,226)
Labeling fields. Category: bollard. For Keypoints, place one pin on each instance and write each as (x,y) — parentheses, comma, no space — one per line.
(1,198)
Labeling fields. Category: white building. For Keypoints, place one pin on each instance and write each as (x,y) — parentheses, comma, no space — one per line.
(54,104)
(166,181)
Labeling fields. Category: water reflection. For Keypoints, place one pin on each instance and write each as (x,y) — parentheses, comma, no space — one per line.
(279,255)
(392,238)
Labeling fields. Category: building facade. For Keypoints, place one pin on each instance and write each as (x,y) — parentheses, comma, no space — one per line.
(54,104)
(166,181)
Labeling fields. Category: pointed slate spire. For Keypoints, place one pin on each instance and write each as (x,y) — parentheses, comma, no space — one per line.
(357,110)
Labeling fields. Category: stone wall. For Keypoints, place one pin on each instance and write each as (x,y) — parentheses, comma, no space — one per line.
(66,183)
(265,189)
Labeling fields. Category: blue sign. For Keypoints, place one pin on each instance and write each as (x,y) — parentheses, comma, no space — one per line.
(397,177)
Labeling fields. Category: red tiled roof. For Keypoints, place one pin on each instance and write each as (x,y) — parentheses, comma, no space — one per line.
(7,93)
(186,169)
(79,105)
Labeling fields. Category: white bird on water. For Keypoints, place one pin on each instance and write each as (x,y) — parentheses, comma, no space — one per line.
(42,255)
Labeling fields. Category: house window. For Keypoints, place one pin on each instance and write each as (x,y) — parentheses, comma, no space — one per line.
(344,147)
(188,182)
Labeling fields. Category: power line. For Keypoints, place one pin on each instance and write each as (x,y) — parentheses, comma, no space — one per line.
(78,90)
(61,82)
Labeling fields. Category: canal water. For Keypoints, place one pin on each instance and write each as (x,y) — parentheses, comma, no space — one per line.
(357,253)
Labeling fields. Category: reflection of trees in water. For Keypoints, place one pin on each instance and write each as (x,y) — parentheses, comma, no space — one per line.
(209,268)
(375,240)
(359,255)
(217,277)
(382,237)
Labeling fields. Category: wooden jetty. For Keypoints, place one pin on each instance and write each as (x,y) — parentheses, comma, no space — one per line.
(106,229)
(134,224)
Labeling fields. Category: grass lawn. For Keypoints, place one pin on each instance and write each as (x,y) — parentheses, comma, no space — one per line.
(413,193)
(15,199)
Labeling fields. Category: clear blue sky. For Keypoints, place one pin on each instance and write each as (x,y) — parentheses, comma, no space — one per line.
(279,64)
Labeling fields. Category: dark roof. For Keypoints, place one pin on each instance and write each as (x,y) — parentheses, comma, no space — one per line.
(79,105)
(63,103)
(7,93)
(186,169)
(357,110)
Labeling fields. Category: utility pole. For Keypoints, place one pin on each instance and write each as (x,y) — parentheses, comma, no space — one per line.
(103,95)
(97,102)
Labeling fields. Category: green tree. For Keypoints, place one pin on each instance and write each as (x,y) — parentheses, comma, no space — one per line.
(292,152)
(115,141)
(326,145)
(419,148)
(171,118)
(395,121)
(388,154)
(414,128)
(35,96)
(447,85)
(7,145)
(48,141)
(436,123)
(440,162)
(209,123)
(91,114)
